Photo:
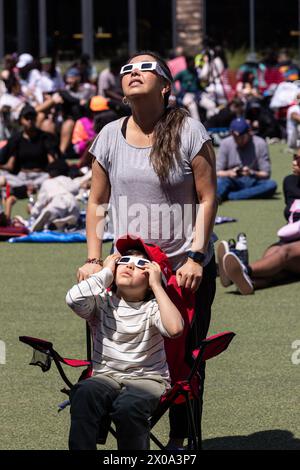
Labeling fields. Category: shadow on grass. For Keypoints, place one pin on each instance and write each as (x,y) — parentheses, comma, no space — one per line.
(276,439)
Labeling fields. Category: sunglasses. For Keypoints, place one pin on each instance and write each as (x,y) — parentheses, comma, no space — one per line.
(144,67)
(138,262)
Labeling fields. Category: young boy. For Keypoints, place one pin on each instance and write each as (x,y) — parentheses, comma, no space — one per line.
(130,372)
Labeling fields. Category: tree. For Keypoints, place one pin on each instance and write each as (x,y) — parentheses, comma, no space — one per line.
(189,25)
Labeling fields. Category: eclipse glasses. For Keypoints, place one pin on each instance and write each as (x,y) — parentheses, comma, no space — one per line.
(144,67)
(138,262)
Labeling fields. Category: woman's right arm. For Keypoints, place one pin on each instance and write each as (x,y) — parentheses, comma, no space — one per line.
(95,219)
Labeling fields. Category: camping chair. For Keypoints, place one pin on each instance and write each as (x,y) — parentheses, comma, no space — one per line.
(187,390)
(186,359)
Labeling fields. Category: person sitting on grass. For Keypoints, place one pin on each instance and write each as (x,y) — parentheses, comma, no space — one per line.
(28,154)
(56,202)
(130,372)
(243,165)
(280,262)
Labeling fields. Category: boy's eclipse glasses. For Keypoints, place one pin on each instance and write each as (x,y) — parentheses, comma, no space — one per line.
(144,67)
(138,262)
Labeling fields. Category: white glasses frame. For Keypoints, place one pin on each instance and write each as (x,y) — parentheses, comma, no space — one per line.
(138,262)
(145,66)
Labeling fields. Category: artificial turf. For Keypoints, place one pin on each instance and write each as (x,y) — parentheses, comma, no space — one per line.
(251,391)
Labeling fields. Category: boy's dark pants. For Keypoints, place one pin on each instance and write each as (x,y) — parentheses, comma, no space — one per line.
(128,402)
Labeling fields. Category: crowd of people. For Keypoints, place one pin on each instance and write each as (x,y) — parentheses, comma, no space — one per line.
(47,115)
(135,131)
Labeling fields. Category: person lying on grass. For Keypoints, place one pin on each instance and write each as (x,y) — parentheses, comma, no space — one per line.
(128,322)
(280,262)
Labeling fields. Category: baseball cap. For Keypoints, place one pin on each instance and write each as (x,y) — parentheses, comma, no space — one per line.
(154,253)
(239,126)
(24,59)
(99,103)
(73,72)
(27,110)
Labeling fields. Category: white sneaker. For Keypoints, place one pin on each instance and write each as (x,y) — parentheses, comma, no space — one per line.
(237,273)
(39,223)
(241,248)
(222,250)
(63,222)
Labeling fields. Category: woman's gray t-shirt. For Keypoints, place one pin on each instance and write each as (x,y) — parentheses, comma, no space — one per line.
(161,213)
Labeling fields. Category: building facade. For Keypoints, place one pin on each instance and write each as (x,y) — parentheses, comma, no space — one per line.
(66,28)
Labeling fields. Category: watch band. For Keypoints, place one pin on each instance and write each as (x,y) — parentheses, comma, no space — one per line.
(196,256)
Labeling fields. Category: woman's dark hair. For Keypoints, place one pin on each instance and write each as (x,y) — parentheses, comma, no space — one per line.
(220,52)
(58,168)
(52,70)
(9,61)
(165,152)
(248,77)
(11,82)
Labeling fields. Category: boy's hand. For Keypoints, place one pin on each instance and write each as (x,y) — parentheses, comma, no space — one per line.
(111,262)
(154,272)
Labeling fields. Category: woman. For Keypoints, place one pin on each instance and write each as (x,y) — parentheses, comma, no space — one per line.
(12,98)
(150,164)
(51,78)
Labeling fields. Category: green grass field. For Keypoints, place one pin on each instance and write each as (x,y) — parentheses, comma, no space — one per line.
(252,390)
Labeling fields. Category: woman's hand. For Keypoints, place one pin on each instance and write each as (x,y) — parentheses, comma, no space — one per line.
(111,262)
(87,270)
(154,272)
(189,275)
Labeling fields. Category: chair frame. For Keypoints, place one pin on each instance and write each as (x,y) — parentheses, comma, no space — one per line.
(183,390)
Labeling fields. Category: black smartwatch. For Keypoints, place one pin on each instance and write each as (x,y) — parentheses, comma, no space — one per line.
(196,256)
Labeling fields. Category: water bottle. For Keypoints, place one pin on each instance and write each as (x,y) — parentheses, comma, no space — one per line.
(242,248)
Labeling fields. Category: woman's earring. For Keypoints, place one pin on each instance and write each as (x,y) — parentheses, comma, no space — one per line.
(125,101)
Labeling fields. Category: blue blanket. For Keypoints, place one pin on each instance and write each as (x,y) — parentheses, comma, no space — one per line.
(49,236)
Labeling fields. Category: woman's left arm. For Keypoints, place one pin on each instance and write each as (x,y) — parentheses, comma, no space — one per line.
(204,171)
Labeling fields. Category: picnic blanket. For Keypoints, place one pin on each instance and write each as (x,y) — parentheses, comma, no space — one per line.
(50,236)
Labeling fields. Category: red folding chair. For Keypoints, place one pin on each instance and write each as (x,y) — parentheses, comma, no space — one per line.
(186,365)
(187,390)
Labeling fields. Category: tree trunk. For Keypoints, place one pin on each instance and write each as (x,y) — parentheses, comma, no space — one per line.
(189,25)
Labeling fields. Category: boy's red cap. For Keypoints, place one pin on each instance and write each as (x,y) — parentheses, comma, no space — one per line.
(154,253)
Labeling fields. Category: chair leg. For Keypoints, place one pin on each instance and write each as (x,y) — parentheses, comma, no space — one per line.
(192,423)
(199,408)
(156,441)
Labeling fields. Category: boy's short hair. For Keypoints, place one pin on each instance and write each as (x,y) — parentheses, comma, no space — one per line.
(134,252)
(58,168)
